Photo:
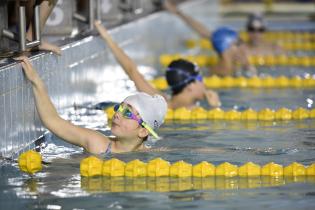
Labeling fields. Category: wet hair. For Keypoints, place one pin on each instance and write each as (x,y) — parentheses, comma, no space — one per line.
(178,75)
(255,22)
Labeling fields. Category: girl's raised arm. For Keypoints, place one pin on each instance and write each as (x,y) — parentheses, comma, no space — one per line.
(193,23)
(91,140)
(126,62)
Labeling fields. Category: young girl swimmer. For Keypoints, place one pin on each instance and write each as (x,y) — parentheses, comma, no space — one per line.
(256,44)
(182,76)
(135,119)
(225,42)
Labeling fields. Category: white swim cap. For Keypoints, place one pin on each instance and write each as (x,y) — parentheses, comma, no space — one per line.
(152,109)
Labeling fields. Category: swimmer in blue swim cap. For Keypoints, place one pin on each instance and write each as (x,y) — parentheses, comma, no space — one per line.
(136,117)
(225,41)
(223,38)
(256,44)
(183,77)
(232,53)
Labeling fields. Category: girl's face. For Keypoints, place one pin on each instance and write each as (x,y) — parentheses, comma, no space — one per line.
(122,126)
(197,89)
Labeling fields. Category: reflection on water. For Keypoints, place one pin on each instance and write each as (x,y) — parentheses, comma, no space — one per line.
(122,192)
(83,186)
(168,184)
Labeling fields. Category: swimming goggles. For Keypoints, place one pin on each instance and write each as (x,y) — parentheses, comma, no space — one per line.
(189,77)
(126,113)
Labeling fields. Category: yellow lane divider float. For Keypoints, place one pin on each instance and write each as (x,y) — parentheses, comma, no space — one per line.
(266,114)
(161,176)
(252,82)
(287,45)
(283,35)
(30,162)
(93,166)
(257,60)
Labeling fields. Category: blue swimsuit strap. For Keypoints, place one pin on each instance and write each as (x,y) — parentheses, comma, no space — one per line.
(109,149)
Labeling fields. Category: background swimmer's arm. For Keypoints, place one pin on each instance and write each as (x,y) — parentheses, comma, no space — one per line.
(90,140)
(229,59)
(224,67)
(125,61)
(213,98)
(194,24)
(243,57)
(45,8)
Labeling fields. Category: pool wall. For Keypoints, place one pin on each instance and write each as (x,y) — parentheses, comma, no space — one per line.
(86,72)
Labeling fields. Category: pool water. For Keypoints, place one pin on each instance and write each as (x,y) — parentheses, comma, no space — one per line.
(267,98)
(59,185)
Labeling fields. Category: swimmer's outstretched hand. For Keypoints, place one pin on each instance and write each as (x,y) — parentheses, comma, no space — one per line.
(28,68)
(239,55)
(243,57)
(50,47)
(212,98)
(101,29)
(170,7)
(251,71)
(97,23)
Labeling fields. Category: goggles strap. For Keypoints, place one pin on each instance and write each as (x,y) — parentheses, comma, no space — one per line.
(146,126)
(188,76)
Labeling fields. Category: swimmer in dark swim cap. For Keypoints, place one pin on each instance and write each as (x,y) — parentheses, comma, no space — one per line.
(182,76)
(256,45)
(225,41)
(186,83)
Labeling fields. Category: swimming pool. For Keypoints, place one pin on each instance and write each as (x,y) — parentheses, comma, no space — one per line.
(59,185)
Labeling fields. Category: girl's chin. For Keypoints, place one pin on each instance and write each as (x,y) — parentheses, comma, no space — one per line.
(115,131)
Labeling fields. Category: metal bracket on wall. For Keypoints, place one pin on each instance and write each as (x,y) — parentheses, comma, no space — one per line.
(93,5)
(21,36)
